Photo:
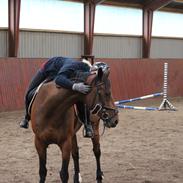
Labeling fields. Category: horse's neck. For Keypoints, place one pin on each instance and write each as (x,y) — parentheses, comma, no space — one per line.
(62,98)
(68,98)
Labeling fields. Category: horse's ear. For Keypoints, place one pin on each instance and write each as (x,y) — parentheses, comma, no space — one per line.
(100,74)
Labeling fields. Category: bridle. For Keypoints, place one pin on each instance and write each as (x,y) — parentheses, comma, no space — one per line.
(97,108)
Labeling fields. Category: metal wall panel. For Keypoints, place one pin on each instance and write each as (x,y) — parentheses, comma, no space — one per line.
(45,44)
(117,47)
(166,48)
(3,43)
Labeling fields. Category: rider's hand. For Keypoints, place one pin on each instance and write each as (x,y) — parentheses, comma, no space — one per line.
(81,87)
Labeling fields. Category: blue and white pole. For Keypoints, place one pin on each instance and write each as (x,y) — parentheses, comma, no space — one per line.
(138,98)
(138,107)
(165,103)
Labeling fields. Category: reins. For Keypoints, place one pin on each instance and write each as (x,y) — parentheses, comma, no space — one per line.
(98,107)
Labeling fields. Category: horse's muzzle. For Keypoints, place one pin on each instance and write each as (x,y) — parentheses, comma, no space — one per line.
(114,124)
(111,124)
(110,119)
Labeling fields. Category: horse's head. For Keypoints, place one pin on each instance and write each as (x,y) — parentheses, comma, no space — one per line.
(100,100)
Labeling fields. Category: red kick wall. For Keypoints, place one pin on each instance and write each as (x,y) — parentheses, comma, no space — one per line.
(137,77)
(15,75)
(129,77)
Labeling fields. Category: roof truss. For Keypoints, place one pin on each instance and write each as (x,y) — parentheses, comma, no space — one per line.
(156,4)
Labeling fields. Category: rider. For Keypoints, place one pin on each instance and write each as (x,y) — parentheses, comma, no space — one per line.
(62,69)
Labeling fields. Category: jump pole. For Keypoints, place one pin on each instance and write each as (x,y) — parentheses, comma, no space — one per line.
(138,107)
(165,105)
(138,98)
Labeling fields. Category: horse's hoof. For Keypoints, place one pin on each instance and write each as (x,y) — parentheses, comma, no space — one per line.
(77,178)
(100,180)
(100,177)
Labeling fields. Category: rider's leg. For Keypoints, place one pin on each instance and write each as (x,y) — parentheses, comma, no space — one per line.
(25,122)
(84,115)
(35,82)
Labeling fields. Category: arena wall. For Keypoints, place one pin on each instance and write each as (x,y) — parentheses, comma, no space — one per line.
(15,74)
(129,77)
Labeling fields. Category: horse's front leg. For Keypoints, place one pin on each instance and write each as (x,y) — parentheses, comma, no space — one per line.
(75,156)
(66,151)
(41,150)
(97,152)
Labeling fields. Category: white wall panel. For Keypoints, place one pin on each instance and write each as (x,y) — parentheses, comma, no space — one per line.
(117,47)
(3,43)
(166,48)
(39,44)
(45,44)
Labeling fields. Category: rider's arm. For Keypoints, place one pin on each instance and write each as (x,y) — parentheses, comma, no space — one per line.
(63,78)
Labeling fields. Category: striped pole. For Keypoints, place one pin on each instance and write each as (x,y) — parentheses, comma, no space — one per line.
(138,98)
(165,84)
(138,107)
(165,103)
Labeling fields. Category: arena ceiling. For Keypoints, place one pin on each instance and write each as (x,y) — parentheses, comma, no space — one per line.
(176,5)
(171,5)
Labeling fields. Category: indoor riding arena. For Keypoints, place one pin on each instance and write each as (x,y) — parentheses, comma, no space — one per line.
(141,41)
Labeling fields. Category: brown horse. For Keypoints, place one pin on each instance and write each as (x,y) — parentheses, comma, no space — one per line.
(54,121)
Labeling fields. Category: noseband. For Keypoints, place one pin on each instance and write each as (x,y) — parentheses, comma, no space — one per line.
(100,108)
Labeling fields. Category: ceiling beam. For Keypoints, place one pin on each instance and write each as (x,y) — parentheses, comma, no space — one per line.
(98,1)
(156,4)
(148,9)
(13,27)
(147,31)
(94,1)
(89,18)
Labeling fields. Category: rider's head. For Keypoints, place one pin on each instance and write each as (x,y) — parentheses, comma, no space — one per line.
(98,65)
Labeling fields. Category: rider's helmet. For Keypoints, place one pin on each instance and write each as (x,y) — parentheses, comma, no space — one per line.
(101,65)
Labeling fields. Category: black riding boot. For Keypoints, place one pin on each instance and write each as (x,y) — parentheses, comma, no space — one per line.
(25,122)
(88,127)
(84,115)
(88,133)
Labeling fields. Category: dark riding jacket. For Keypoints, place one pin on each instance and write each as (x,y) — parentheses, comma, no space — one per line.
(62,69)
